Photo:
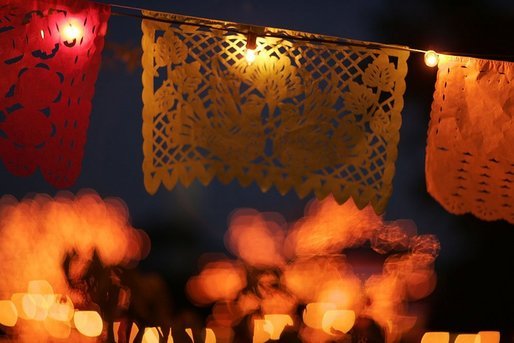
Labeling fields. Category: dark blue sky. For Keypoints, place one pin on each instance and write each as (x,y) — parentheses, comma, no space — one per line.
(197,215)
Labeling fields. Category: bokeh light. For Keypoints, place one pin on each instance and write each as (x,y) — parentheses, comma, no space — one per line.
(88,323)
(280,267)
(8,313)
(436,337)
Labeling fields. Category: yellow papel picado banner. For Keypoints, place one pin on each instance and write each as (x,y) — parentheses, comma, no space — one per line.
(303,115)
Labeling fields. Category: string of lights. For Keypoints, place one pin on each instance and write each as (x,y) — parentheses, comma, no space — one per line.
(431,57)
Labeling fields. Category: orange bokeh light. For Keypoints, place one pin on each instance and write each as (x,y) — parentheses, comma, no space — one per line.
(88,323)
(42,287)
(262,330)
(57,328)
(61,309)
(314,313)
(8,313)
(219,280)
(151,335)
(256,237)
(436,337)
(467,338)
(18,301)
(489,336)
(38,233)
(278,323)
(210,336)
(36,305)
(339,320)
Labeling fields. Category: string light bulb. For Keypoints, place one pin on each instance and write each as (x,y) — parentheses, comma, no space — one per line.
(251,46)
(71,31)
(431,58)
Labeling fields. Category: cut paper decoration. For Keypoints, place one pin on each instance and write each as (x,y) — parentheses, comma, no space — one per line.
(50,54)
(316,117)
(469,158)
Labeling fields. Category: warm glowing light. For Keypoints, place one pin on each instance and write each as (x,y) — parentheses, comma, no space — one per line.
(319,275)
(42,34)
(488,337)
(8,313)
(314,313)
(57,328)
(278,323)
(134,330)
(436,337)
(71,31)
(151,335)
(37,305)
(28,306)
(115,329)
(251,46)
(88,323)
(431,58)
(256,237)
(61,308)
(33,246)
(210,336)
(467,338)
(250,55)
(219,280)
(39,299)
(17,299)
(40,287)
(262,330)
(340,320)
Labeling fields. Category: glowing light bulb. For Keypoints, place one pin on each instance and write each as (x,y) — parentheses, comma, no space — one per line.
(71,31)
(431,58)
(251,46)
(250,55)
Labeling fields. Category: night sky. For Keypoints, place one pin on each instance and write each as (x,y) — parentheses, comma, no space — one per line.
(476,260)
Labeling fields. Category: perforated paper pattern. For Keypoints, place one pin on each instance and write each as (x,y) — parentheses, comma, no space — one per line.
(47,83)
(314,117)
(470,159)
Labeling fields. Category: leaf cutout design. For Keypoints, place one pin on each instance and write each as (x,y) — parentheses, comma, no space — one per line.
(380,74)
(169,49)
(380,123)
(187,77)
(315,118)
(360,98)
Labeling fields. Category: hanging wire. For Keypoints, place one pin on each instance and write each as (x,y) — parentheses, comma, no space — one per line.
(328,40)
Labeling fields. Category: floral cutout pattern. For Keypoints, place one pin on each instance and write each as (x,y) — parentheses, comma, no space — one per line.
(50,54)
(469,159)
(303,116)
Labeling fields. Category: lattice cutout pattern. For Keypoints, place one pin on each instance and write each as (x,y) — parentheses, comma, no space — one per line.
(469,160)
(49,58)
(320,118)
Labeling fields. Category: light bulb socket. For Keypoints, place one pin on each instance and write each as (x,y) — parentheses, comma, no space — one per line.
(251,41)
(431,58)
